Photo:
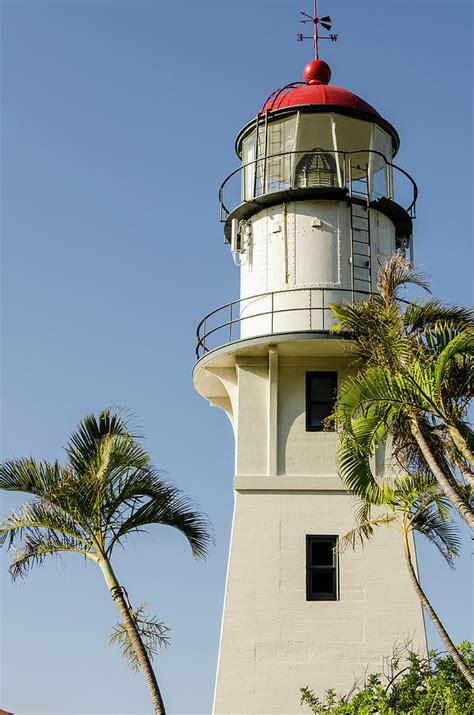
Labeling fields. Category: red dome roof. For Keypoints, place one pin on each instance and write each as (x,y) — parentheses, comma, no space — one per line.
(318,94)
(316,90)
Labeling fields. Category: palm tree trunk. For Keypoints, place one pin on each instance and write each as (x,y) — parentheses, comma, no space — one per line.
(137,645)
(461,444)
(450,647)
(466,473)
(457,501)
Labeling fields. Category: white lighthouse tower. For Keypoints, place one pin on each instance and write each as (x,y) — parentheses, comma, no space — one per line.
(316,205)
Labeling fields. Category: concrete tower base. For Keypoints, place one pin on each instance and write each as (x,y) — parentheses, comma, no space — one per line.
(274,640)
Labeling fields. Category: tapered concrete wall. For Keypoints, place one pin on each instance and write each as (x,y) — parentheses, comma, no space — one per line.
(273,640)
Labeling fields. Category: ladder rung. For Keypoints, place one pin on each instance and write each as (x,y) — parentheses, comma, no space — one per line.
(359,277)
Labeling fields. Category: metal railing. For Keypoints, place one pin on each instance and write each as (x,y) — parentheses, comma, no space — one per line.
(350,171)
(224,324)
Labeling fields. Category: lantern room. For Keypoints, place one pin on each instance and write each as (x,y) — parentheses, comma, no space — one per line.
(314,135)
(316,205)
(316,140)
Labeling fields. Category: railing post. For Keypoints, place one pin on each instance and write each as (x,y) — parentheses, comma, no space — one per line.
(369,187)
(273,302)
(203,341)
(230,323)
(324,312)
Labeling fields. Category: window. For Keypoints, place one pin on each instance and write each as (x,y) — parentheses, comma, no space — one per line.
(321,568)
(321,388)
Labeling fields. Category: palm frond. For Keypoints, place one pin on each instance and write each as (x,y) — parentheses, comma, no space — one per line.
(349,315)
(103,439)
(38,515)
(462,344)
(355,471)
(148,500)
(152,631)
(363,531)
(441,533)
(397,272)
(37,544)
(29,476)
(432,518)
(433,314)
(428,511)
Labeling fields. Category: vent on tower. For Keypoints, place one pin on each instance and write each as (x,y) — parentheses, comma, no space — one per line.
(317,168)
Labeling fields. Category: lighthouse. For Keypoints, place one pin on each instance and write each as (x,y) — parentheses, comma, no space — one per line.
(316,204)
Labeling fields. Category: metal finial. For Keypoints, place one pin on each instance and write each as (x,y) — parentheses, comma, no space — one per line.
(325,22)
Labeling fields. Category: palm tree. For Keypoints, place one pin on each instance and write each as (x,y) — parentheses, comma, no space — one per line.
(414,504)
(413,385)
(107,491)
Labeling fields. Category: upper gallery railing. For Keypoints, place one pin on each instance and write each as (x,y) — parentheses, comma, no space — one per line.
(363,174)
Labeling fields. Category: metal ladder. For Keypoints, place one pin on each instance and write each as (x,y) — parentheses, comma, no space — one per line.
(361,258)
(261,135)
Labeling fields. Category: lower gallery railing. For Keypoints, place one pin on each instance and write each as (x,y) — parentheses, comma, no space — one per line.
(284,311)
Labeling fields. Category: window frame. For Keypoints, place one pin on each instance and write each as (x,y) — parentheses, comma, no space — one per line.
(310,595)
(310,402)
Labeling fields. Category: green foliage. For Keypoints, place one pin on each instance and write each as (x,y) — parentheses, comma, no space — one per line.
(412,685)
(414,367)
(107,491)
(152,631)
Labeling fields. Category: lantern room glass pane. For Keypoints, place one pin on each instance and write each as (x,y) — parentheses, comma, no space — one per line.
(280,141)
(353,135)
(378,169)
(316,157)
(248,174)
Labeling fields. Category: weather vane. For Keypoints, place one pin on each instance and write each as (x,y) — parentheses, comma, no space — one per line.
(325,22)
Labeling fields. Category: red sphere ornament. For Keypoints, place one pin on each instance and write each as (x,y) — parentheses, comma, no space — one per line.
(317,72)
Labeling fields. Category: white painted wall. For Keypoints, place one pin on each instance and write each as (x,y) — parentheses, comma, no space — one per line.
(286,487)
(274,641)
(303,245)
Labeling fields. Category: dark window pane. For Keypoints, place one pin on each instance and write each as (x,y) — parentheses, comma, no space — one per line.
(322,553)
(322,582)
(321,568)
(318,414)
(323,388)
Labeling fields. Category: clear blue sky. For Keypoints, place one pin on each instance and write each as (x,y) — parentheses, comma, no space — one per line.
(119,120)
